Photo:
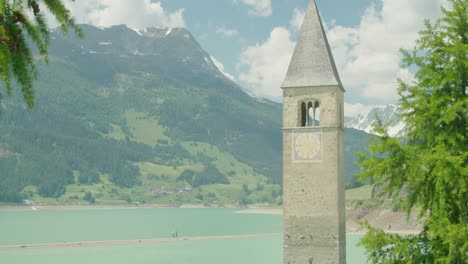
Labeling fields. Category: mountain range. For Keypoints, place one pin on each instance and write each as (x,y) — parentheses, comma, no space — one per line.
(128,115)
(387,114)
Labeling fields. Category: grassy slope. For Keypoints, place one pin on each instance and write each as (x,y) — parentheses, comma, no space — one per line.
(359,194)
(154,176)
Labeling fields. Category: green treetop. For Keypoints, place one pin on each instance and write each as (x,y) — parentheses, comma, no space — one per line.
(430,164)
(22,20)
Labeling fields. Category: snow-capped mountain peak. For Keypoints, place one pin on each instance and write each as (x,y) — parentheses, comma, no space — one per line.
(388,113)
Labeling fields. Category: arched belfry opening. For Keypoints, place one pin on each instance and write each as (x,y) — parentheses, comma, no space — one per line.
(303,114)
(317,113)
(310,113)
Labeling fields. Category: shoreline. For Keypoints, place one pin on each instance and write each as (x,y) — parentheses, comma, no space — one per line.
(267,211)
(91,207)
(72,207)
(403,232)
(253,209)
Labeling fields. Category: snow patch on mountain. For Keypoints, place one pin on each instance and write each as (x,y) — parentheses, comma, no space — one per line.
(255,97)
(396,130)
(152,31)
(137,53)
(100,27)
(136,30)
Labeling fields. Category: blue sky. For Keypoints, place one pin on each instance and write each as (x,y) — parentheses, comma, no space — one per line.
(252,41)
(208,20)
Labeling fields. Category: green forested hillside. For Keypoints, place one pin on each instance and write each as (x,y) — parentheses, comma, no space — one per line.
(141,118)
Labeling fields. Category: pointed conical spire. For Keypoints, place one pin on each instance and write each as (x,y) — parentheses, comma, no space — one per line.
(312,62)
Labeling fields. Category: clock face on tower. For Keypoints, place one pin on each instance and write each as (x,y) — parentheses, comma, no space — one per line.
(307,146)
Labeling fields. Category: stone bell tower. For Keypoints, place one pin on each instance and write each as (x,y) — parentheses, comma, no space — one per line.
(313,151)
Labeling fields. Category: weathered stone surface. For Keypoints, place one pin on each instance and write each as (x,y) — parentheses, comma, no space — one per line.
(313,201)
(312,238)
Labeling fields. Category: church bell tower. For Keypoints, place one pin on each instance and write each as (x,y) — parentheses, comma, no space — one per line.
(313,151)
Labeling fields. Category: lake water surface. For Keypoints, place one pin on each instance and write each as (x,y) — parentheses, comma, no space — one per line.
(58,226)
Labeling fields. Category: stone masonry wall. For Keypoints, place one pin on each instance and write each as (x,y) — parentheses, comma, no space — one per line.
(313,191)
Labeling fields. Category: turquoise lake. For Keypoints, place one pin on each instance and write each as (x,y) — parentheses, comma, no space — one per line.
(58,226)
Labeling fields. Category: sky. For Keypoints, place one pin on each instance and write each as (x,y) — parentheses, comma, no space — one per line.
(251,41)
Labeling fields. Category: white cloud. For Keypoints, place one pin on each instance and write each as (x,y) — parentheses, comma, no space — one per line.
(352,110)
(296,21)
(258,7)
(227,32)
(264,66)
(134,13)
(220,67)
(367,56)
